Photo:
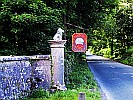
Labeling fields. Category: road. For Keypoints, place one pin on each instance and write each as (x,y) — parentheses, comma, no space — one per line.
(114,79)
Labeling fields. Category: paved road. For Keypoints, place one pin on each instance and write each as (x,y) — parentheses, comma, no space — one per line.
(115,79)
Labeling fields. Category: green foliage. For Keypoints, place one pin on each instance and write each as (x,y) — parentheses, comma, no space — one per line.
(106,52)
(77,73)
(71,95)
(124,34)
(114,35)
(130,50)
(26,25)
(38,93)
(128,60)
(128,57)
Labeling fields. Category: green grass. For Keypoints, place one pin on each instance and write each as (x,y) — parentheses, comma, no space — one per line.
(71,95)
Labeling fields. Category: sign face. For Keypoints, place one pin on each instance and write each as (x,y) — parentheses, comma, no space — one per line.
(79,42)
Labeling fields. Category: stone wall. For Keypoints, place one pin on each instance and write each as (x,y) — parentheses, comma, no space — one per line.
(20,74)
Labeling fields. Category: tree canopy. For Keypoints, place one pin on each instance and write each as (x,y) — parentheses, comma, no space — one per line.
(26,25)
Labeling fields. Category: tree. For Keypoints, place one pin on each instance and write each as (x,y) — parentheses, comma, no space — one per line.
(125,30)
(88,14)
(26,25)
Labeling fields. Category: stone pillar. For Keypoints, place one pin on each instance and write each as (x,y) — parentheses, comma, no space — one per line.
(57,53)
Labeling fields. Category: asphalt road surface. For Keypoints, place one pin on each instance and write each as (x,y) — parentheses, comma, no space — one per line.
(114,79)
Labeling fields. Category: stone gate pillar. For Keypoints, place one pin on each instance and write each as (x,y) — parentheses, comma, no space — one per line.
(57,53)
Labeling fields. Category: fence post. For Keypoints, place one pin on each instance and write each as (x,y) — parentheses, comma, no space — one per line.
(81,96)
(57,53)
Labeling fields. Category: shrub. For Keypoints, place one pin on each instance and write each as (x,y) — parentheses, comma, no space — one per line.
(128,56)
(106,52)
(37,93)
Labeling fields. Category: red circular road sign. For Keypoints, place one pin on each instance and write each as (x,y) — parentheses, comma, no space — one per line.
(79,42)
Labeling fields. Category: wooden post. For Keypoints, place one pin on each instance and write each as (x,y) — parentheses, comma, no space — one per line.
(81,96)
